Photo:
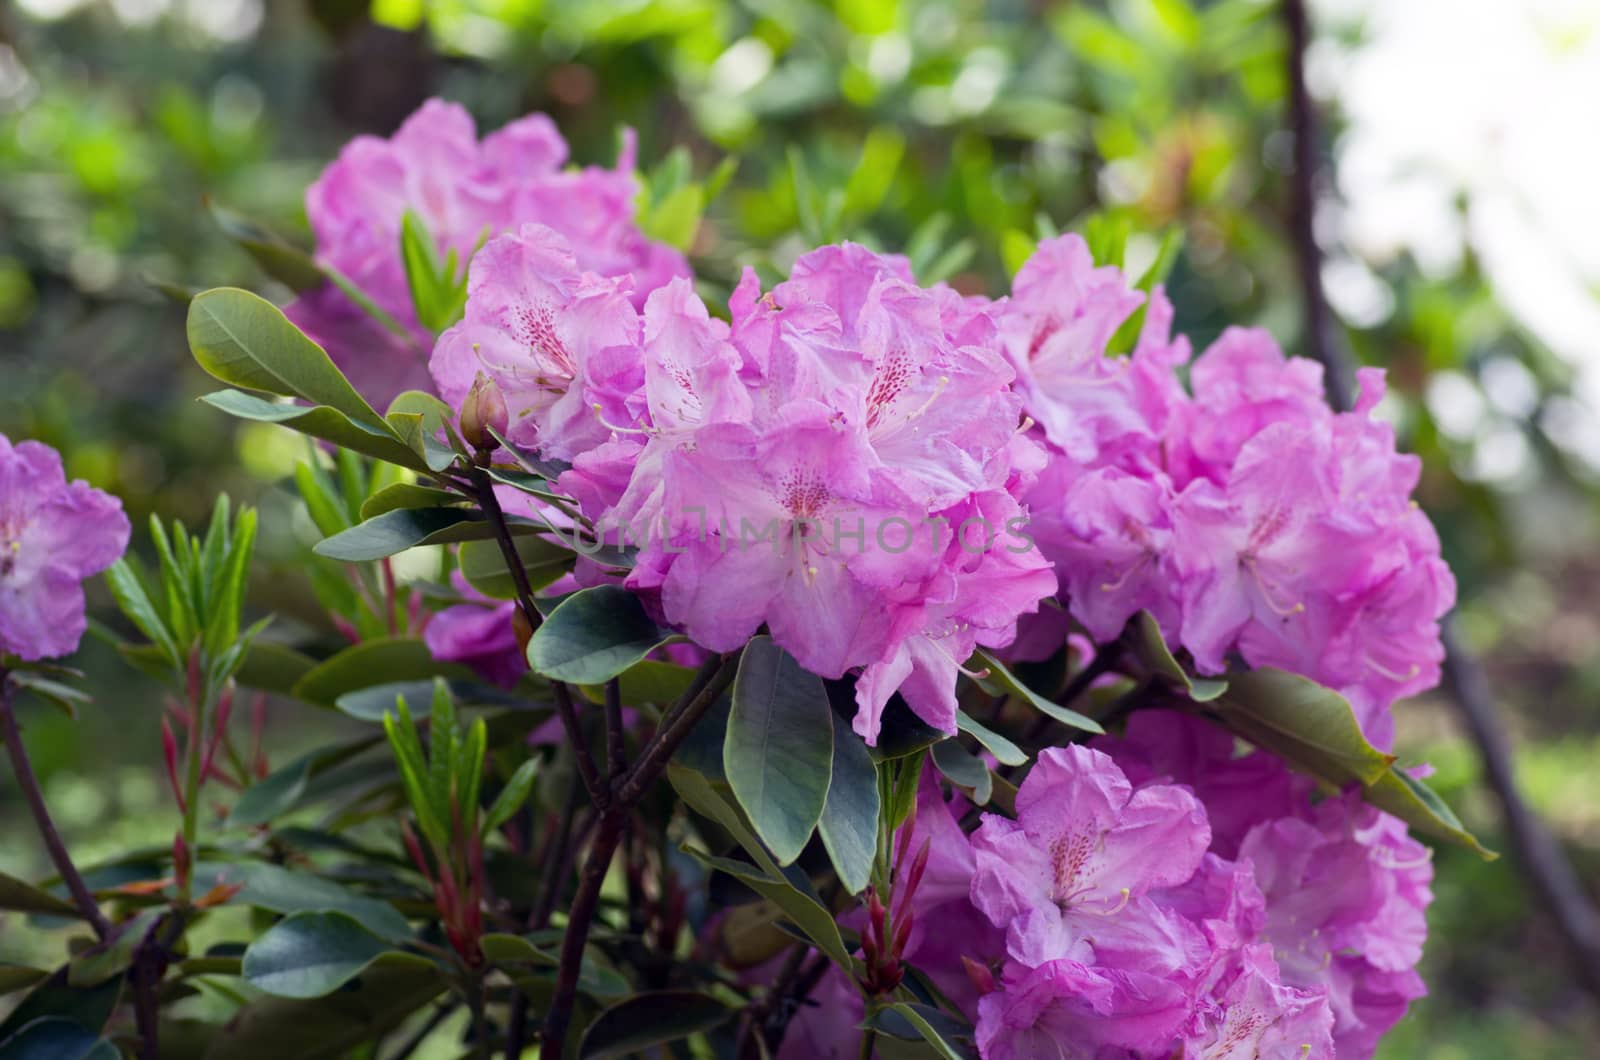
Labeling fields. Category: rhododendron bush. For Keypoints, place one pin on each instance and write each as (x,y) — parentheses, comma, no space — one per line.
(826,664)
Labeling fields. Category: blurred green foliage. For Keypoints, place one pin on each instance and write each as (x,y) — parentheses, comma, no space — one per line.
(955,131)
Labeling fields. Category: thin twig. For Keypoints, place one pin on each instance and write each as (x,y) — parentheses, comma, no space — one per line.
(598,790)
(31,792)
(612,823)
(1339,377)
(1543,862)
(616,752)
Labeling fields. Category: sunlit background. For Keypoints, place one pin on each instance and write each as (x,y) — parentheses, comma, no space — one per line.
(1460,227)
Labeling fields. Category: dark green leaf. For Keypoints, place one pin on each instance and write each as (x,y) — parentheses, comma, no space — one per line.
(14,977)
(282,261)
(53,1038)
(1151,649)
(281,791)
(849,822)
(403,495)
(778,753)
(393,532)
(935,1027)
(484,565)
(372,663)
(90,1007)
(273,667)
(794,893)
(318,421)
(1299,720)
(1421,807)
(114,956)
(371,704)
(392,989)
(20,897)
(1002,680)
(648,682)
(311,955)
(593,636)
(646,1020)
(284,891)
(1004,751)
(247,342)
(964,770)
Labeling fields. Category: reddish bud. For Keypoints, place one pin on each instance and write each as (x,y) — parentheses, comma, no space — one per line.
(169,752)
(182,860)
(483,410)
(982,978)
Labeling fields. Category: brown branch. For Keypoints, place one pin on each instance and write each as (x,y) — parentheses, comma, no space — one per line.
(612,824)
(1543,863)
(34,796)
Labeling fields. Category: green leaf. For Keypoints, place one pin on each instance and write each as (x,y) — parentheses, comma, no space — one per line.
(19,897)
(61,695)
(647,1020)
(311,955)
(273,667)
(284,262)
(849,822)
(1299,720)
(963,769)
(512,796)
(371,704)
(1150,647)
(484,566)
(284,891)
(54,1038)
(393,532)
(927,1022)
(778,752)
(281,791)
(900,779)
(1001,680)
(648,682)
(90,1007)
(391,990)
(1004,751)
(128,589)
(1420,806)
(247,342)
(406,495)
(594,635)
(789,889)
(14,977)
(371,663)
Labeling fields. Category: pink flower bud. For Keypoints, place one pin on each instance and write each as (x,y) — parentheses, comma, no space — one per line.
(483,411)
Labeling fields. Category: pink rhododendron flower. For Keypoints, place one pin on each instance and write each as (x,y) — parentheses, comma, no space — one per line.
(1071,873)
(845,451)
(465,191)
(561,344)
(53,535)
(1344,889)
(1247,517)
(479,634)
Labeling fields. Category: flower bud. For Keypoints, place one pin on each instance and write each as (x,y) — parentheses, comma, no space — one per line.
(483,411)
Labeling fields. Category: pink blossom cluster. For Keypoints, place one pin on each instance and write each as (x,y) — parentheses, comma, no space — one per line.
(53,535)
(1241,511)
(1158,897)
(840,463)
(464,190)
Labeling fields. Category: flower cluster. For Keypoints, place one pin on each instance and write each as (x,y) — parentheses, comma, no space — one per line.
(53,535)
(1142,906)
(1243,513)
(841,463)
(464,190)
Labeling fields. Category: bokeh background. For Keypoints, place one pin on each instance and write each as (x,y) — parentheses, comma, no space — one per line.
(1458,221)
